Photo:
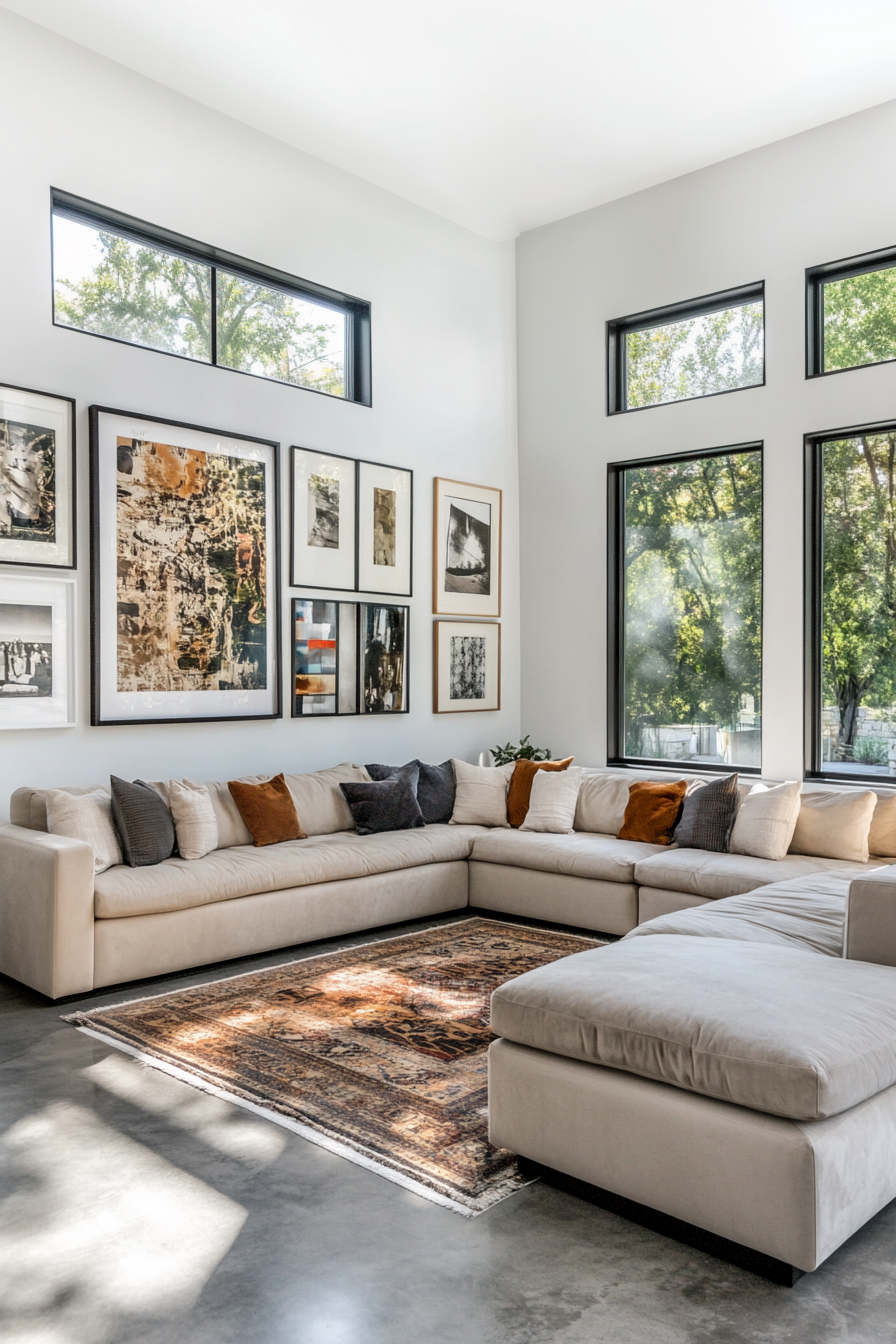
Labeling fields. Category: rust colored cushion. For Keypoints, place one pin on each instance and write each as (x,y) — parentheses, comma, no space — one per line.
(520,790)
(268,810)
(652,811)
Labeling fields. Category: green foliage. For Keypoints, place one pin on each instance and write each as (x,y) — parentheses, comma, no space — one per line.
(860,319)
(711,353)
(871,751)
(524,752)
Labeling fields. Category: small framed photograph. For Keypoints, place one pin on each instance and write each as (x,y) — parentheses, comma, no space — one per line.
(325,658)
(466,564)
(466,666)
(385,529)
(37,479)
(383,646)
(323,520)
(37,653)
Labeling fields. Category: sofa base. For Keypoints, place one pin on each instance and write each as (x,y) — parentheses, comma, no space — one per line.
(583,902)
(656,901)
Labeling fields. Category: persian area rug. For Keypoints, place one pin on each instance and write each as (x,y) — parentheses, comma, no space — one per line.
(377,1053)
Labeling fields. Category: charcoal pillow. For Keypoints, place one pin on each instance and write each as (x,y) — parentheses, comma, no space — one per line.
(143,823)
(435,788)
(386,805)
(707,817)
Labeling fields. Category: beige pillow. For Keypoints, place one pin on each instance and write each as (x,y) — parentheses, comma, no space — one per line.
(87,817)
(601,803)
(834,825)
(882,836)
(481,796)
(552,802)
(194,818)
(320,803)
(765,821)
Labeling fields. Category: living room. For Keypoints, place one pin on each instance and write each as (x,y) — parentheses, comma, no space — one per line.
(479,383)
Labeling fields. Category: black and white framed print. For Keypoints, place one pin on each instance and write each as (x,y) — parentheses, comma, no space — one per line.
(385,529)
(466,562)
(323,520)
(466,666)
(325,657)
(383,649)
(37,653)
(37,479)
(185,608)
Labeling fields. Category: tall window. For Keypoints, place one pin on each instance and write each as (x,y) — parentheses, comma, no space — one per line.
(851,313)
(696,349)
(686,609)
(851,572)
(132,282)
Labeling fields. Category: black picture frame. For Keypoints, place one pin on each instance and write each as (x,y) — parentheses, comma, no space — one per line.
(363,652)
(30,550)
(352,664)
(346,620)
(297,580)
(363,537)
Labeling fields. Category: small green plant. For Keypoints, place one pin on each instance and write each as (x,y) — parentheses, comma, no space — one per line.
(870,752)
(524,752)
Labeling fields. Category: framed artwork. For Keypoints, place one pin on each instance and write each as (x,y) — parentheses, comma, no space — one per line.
(466,562)
(323,520)
(37,479)
(185,600)
(385,528)
(37,653)
(325,658)
(466,666)
(383,660)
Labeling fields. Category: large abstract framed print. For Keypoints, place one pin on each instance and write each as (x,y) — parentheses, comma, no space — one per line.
(466,666)
(184,583)
(325,658)
(37,479)
(385,529)
(466,565)
(322,520)
(383,658)
(37,656)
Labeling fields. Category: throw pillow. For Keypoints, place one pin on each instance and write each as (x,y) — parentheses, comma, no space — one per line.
(268,811)
(387,804)
(602,803)
(552,801)
(481,794)
(882,836)
(194,818)
(521,786)
(87,817)
(765,823)
(653,810)
(143,823)
(708,815)
(834,825)
(319,801)
(435,788)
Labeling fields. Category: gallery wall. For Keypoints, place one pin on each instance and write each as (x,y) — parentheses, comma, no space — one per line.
(767,215)
(443,374)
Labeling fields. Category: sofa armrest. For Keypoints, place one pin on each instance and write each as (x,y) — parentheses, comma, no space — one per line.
(46,911)
(870,932)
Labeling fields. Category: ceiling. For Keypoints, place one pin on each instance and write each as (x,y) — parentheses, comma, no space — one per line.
(505,114)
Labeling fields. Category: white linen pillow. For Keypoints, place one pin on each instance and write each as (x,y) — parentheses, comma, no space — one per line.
(766,820)
(481,796)
(601,803)
(194,818)
(87,817)
(882,836)
(552,802)
(834,825)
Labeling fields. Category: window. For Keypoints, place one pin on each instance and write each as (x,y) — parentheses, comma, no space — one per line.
(685,630)
(697,349)
(851,603)
(851,313)
(129,281)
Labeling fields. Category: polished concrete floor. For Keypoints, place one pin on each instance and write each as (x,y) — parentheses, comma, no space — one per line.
(135,1208)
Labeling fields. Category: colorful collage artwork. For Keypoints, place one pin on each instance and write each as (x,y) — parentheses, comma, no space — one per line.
(316,657)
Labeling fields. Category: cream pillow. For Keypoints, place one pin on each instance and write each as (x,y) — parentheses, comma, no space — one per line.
(882,836)
(87,817)
(552,802)
(601,803)
(194,818)
(834,825)
(766,820)
(481,796)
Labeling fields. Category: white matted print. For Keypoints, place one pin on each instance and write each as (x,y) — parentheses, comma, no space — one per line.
(37,657)
(466,568)
(322,520)
(466,666)
(385,529)
(37,479)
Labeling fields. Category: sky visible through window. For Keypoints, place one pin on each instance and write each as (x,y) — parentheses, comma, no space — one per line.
(696,357)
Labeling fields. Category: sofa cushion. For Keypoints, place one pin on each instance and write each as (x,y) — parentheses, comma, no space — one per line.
(144,823)
(386,804)
(520,789)
(578,855)
(243,870)
(765,823)
(708,816)
(701,873)
(652,812)
(761,1026)
(435,787)
(316,797)
(268,810)
(834,824)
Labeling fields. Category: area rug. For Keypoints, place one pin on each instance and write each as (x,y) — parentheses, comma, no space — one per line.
(377,1053)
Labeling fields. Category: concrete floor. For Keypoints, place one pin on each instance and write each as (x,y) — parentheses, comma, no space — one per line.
(135,1208)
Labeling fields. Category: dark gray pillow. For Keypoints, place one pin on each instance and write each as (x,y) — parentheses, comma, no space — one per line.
(143,823)
(708,816)
(435,788)
(385,805)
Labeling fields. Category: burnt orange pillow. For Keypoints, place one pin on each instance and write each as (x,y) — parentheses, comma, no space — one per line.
(652,811)
(268,810)
(520,790)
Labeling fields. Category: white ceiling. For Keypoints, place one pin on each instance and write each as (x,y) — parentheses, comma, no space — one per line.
(505,114)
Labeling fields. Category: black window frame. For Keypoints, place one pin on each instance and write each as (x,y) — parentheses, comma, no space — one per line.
(884,259)
(616,606)
(619,327)
(357,358)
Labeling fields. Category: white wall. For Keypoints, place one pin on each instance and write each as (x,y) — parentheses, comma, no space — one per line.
(443,370)
(767,215)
